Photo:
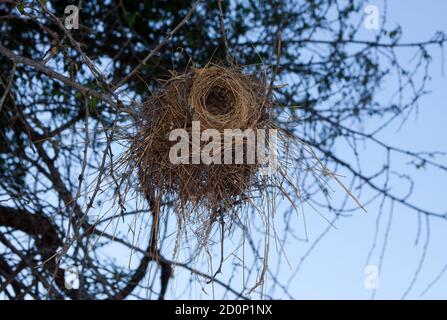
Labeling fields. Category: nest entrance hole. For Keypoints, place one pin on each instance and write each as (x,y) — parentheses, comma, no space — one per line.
(219,101)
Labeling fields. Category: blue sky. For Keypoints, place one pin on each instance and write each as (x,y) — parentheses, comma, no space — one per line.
(335,269)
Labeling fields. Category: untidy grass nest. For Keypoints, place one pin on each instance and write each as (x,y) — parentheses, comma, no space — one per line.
(220,98)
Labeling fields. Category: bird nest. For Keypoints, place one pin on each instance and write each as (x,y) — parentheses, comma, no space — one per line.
(199,101)
(214,98)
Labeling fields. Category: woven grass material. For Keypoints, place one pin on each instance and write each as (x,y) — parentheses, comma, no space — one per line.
(220,98)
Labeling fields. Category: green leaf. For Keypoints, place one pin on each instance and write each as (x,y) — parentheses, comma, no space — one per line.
(92,104)
(21,8)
